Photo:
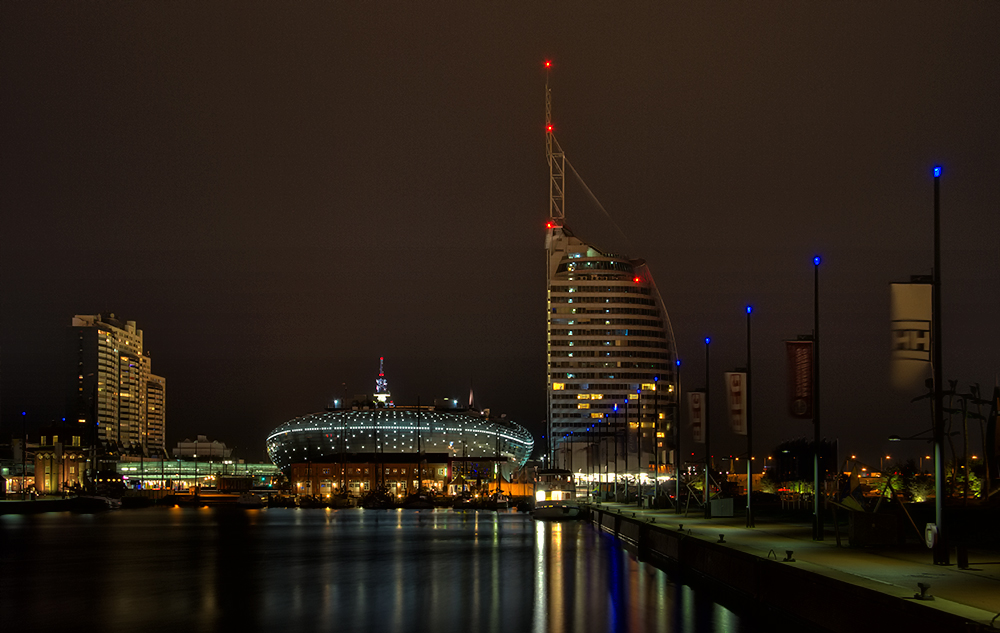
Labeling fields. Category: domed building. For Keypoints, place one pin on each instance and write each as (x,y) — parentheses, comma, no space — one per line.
(403,448)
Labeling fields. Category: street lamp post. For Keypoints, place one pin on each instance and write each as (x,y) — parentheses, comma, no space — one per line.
(625,447)
(941,554)
(817,506)
(708,451)
(616,452)
(656,436)
(749,414)
(678,460)
(24,451)
(638,447)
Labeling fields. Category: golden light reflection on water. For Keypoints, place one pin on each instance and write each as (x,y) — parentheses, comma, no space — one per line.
(351,570)
(539,619)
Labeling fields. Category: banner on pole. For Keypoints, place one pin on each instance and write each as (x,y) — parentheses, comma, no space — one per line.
(800,372)
(696,413)
(911,334)
(736,385)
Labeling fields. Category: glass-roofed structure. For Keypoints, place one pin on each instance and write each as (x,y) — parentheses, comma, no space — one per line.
(363,434)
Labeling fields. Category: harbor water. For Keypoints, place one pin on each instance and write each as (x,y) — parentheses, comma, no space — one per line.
(226,569)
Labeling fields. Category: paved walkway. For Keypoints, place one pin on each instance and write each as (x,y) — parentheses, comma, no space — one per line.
(972,593)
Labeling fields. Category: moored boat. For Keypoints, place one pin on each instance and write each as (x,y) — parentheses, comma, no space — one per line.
(250,500)
(464,501)
(95,503)
(378,499)
(419,501)
(343,501)
(555,495)
(498,501)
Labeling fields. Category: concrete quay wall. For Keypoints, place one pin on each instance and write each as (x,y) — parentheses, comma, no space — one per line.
(805,592)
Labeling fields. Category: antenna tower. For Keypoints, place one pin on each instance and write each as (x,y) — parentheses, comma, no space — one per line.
(556,158)
(381,384)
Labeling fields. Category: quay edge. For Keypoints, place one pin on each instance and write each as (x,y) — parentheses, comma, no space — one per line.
(792,589)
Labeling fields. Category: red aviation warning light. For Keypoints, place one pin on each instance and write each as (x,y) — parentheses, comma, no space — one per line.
(548,63)
(548,128)
(636,279)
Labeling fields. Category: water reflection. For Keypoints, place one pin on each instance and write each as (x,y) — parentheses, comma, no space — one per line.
(335,570)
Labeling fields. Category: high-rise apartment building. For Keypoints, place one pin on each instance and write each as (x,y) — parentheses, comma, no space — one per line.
(611,353)
(113,380)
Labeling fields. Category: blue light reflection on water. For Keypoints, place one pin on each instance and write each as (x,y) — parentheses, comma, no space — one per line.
(336,570)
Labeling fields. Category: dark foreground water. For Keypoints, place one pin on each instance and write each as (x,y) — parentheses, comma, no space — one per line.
(189,570)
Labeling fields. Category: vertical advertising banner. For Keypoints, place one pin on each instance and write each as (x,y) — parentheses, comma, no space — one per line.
(696,413)
(911,334)
(800,373)
(737,397)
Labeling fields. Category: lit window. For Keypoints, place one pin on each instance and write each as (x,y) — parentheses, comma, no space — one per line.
(558,386)
(583,405)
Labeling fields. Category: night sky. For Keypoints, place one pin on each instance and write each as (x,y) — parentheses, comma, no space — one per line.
(280,193)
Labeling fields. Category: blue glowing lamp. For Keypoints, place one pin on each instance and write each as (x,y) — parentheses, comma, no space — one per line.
(678,362)
(816,261)
(707,340)
(616,407)
(749,309)
(937,171)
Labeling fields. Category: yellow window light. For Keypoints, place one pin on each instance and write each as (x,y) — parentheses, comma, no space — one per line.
(583,405)
(583,396)
(597,415)
(648,386)
(597,396)
(558,386)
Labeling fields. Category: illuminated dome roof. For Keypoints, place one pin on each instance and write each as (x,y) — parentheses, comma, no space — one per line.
(323,437)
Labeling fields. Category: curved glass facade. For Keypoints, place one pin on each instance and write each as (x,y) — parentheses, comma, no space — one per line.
(610,343)
(324,437)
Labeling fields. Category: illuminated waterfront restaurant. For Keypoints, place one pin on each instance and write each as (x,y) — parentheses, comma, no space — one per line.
(438,447)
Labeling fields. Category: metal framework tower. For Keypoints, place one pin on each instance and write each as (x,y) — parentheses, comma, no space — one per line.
(556,158)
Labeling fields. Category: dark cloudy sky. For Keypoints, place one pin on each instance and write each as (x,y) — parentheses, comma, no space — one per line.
(280,193)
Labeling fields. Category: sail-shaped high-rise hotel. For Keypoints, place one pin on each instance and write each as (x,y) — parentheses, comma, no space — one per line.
(612,380)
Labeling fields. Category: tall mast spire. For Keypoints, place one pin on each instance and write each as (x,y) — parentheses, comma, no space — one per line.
(556,159)
(381,384)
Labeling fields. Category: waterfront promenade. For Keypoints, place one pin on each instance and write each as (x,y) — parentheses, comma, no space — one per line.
(972,594)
